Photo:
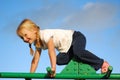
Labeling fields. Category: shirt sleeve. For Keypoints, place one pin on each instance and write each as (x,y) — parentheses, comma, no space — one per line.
(47,35)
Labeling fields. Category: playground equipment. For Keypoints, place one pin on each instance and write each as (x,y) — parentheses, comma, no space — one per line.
(74,70)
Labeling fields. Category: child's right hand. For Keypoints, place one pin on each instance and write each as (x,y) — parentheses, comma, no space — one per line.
(51,72)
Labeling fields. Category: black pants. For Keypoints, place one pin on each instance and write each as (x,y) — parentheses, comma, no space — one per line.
(77,50)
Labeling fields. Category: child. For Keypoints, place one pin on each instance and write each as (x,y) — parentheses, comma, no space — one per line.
(69,43)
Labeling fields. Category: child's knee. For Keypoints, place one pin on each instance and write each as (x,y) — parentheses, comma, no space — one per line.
(62,59)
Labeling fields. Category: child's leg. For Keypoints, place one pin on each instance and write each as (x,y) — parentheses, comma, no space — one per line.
(89,58)
(79,43)
(62,58)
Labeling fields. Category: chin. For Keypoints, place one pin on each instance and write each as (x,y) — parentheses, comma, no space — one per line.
(31,42)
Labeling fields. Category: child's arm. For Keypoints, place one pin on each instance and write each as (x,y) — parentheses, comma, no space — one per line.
(35,61)
(52,55)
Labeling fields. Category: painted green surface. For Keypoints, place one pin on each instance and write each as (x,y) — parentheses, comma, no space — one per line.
(74,70)
(78,68)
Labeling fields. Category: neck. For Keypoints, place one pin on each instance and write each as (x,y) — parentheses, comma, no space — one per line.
(38,43)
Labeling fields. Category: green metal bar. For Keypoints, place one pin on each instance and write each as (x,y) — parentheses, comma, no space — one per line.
(58,76)
(22,75)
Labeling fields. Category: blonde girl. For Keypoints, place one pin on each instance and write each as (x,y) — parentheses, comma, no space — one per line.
(29,33)
(69,43)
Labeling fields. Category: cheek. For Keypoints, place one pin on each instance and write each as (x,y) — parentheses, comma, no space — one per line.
(33,36)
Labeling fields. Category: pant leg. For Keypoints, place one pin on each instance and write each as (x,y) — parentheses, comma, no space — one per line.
(89,58)
(64,58)
(79,42)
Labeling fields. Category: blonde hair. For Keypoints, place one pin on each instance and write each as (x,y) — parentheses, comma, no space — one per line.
(29,25)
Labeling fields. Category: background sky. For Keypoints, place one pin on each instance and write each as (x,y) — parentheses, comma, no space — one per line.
(98,20)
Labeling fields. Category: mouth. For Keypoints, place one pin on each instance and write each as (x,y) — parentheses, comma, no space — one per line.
(27,41)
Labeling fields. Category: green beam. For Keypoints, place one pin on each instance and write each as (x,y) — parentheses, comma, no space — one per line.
(58,76)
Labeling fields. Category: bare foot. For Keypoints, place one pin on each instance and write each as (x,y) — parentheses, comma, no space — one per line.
(104,67)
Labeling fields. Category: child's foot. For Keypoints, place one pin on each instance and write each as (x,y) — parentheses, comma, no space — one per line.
(104,67)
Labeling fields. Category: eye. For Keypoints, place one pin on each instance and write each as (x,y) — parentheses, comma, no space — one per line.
(25,35)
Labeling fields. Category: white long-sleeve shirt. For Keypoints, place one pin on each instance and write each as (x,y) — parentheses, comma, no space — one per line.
(62,39)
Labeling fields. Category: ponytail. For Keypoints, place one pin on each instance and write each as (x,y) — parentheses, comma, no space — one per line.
(31,50)
(37,43)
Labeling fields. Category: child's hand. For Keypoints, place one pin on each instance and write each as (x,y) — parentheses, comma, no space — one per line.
(51,72)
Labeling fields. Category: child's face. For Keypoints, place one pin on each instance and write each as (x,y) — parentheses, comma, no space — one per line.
(28,36)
